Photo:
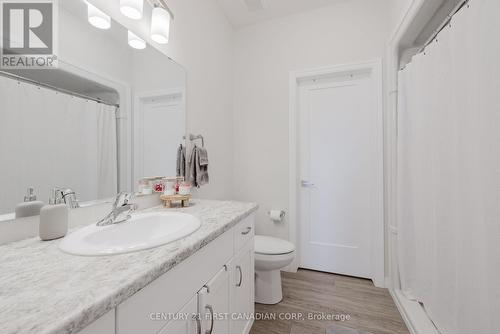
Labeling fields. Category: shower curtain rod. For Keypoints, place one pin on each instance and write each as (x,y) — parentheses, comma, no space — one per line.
(447,21)
(57,89)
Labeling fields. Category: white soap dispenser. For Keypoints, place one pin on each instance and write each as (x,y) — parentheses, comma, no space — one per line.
(54,218)
(30,206)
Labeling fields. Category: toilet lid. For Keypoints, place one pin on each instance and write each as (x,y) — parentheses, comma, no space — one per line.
(272,246)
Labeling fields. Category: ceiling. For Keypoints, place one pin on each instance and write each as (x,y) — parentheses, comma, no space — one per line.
(246,12)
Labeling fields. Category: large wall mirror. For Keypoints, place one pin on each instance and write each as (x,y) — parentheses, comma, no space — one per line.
(106,117)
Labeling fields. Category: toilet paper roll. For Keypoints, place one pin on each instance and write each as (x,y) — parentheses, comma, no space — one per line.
(277,215)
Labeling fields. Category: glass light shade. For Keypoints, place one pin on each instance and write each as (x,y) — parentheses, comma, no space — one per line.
(135,42)
(97,18)
(132,8)
(160,25)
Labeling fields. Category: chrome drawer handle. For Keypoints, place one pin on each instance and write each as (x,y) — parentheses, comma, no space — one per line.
(211,310)
(241,276)
(246,231)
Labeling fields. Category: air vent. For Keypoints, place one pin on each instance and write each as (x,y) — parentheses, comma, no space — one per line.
(256,5)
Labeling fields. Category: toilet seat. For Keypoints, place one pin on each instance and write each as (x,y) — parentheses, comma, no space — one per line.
(272,246)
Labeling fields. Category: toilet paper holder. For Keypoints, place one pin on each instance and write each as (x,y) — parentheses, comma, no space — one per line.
(276,215)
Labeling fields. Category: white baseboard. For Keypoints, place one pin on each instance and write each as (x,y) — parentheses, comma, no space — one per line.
(413,314)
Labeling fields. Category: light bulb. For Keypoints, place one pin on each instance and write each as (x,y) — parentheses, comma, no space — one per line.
(160,25)
(132,8)
(135,41)
(97,18)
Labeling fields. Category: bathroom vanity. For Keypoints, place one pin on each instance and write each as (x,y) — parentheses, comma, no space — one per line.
(160,290)
(107,117)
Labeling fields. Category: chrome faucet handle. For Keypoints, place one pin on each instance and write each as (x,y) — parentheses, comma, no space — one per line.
(126,198)
(122,199)
(121,210)
(123,213)
(117,200)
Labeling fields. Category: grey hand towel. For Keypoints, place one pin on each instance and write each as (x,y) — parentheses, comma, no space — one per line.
(198,167)
(203,156)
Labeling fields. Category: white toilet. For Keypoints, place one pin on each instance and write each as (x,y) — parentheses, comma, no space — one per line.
(271,255)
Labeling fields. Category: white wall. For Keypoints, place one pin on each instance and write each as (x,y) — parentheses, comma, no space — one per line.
(202,41)
(398,10)
(153,72)
(346,32)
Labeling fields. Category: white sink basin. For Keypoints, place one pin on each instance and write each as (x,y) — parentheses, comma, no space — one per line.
(142,231)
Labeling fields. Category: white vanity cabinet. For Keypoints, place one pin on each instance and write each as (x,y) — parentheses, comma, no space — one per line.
(186,323)
(217,280)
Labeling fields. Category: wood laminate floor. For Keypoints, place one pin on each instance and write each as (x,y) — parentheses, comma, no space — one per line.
(307,292)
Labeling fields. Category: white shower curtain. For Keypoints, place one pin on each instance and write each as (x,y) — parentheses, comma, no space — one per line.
(107,152)
(49,139)
(449,174)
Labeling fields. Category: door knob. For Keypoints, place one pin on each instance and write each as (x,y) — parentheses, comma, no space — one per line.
(306,184)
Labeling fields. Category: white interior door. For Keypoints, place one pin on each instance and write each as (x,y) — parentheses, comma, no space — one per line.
(340,152)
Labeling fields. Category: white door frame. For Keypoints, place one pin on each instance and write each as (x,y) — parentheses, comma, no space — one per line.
(378,246)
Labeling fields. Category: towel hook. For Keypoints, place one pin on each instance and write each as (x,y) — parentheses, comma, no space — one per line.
(193,138)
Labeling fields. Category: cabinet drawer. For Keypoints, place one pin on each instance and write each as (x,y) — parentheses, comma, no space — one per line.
(243,232)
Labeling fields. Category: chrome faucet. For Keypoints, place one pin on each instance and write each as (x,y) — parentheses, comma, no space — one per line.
(120,212)
(66,196)
(69,197)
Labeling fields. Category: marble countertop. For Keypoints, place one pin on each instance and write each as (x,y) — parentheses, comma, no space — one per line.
(43,290)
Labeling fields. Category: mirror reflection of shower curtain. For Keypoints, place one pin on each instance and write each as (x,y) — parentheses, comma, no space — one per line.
(107,161)
(449,174)
(50,139)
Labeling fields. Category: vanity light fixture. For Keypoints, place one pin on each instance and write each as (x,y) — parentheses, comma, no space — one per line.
(97,18)
(132,8)
(160,25)
(135,41)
